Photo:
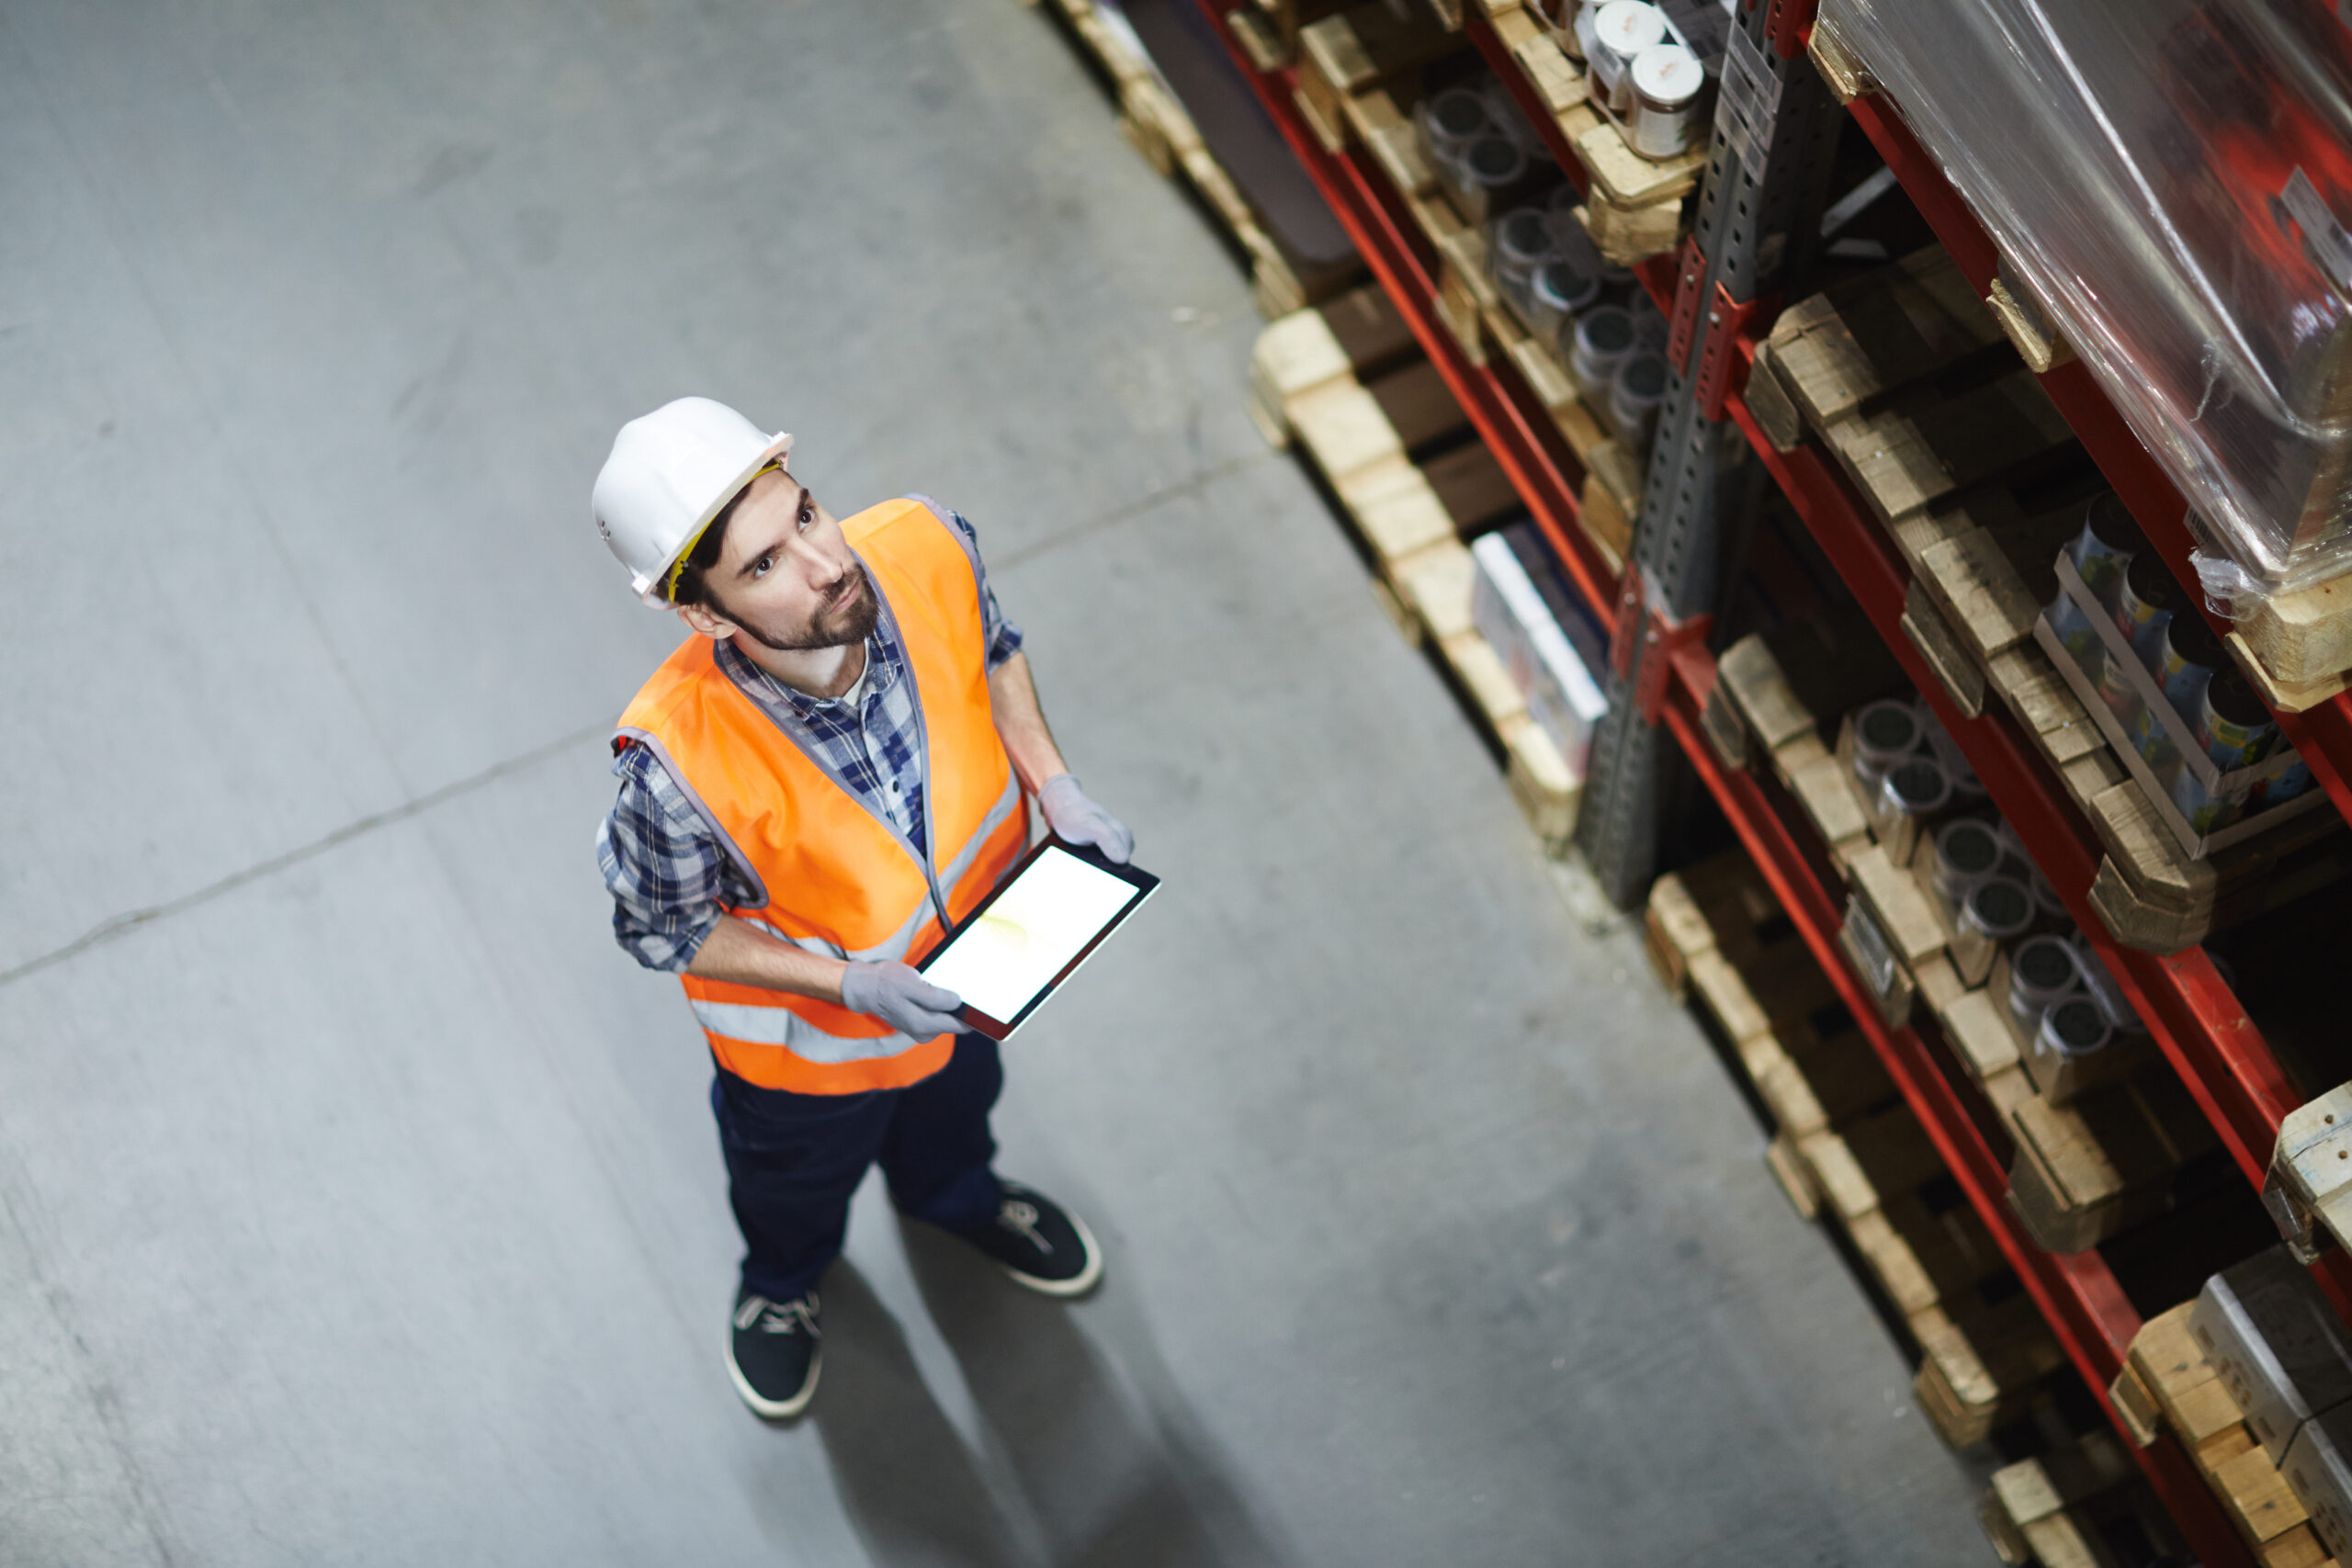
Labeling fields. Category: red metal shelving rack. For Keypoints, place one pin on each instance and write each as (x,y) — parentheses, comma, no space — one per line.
(2077,1294)
(2220,1054)
(2324,735)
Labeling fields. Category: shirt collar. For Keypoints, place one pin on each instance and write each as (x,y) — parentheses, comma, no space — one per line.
(881,673)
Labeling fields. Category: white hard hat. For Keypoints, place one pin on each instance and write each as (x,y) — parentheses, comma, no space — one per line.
(668,474)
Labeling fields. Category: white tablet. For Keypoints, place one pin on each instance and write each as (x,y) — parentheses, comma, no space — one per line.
(1007,957)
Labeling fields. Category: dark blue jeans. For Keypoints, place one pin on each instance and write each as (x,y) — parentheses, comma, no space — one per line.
(793,1161)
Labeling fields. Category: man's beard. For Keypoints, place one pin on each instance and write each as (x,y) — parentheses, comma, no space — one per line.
(833,626)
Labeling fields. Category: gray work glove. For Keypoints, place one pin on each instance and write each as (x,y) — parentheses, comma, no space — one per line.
(894,993)
(1075,820)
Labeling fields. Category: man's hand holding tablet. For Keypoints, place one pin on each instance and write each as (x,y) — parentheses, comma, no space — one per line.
(1033,932)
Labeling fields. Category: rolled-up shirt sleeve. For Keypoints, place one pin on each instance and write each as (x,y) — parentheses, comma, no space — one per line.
(1004,636)
(665,867)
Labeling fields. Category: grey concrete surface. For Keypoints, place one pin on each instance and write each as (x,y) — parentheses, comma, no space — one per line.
(358,1202)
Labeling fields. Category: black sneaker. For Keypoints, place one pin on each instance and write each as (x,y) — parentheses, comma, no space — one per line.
(775,1352)
(1040,1244)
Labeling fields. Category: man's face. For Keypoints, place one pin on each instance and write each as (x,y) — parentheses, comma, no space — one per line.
(786,578)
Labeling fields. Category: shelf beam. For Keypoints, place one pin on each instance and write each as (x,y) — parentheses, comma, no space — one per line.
(2322,736)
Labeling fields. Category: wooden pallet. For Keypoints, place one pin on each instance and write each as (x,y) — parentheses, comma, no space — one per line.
(1366,415)
(1777,701)
(2167,1386)
(2296,647)
(1483,326)
(2087,1165)
(1634,206)
(2058,1507)
(1157,126)
(1845,1149)
(1909,382)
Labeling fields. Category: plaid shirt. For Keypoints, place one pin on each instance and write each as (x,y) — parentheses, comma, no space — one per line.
(669,871)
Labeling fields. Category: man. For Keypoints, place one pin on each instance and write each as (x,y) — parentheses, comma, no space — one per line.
(833,769)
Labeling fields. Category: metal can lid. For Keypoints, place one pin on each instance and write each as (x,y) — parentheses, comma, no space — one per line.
(1625,28)
(2045,963)
(1564,285)
(1999,907)
(1494,159)
(2232,698)
(1969,847)
(1917,785)
(1524,233)
(1668,76)
(1460,112)
(2193,642)
(1608,329)
(1642,377)
(2076,1026)
(1888,726)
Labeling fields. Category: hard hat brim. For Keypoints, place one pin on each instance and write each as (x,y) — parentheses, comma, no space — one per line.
(650,588)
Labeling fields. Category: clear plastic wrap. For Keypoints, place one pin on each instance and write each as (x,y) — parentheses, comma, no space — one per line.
(2169,179)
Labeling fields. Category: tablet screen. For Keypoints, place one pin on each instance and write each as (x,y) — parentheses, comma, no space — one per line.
(1036,925)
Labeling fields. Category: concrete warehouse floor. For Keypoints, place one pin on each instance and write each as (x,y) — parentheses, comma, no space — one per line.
(359,1199)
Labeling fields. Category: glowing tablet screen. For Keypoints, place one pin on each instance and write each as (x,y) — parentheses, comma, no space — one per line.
(1037,924)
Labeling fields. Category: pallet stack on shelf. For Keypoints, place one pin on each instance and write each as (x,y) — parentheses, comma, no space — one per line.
(1376,422)
(2169,1390)
(1931,489)
(1846,1150)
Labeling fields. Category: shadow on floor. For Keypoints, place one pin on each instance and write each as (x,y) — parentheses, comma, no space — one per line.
(907,1481)
(1103,1484)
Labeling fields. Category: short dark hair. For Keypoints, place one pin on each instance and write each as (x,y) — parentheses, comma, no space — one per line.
(693,589)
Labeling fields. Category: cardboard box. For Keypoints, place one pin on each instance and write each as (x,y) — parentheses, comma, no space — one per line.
(2319,1472)
(1509,612)
(2276,1343)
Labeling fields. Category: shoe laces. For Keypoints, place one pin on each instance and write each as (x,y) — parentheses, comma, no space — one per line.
(1020,1216)
(794,1316)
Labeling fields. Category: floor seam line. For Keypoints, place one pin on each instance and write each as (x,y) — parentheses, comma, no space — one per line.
(115,926)
(1134,508)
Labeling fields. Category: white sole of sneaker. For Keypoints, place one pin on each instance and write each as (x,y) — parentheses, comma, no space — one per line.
(771,1409)
(1077,1284)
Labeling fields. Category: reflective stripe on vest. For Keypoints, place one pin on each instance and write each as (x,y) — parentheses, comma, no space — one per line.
(833,875)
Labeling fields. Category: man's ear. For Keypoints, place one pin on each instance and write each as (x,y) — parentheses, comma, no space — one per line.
(700,619)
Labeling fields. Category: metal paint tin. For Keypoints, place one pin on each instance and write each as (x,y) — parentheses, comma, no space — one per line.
(1915,787)
(2144,606)
(2150,735)
(1667,82)
(1451,120)
(1621,31)
(1557,292)
(1494,161)
(2106,545)
(2206,812)
(2116,690)
(2237,731)
(1999,908)
(1634,394)
(1967,851)
(2042,973)
(1604,337)
(1886,733)
(2074,1028)
(1521,242)
(2285,788)
(2077,633)
(2185,663)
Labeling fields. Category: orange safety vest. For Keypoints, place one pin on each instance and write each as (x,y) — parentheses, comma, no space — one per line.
(830,873)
